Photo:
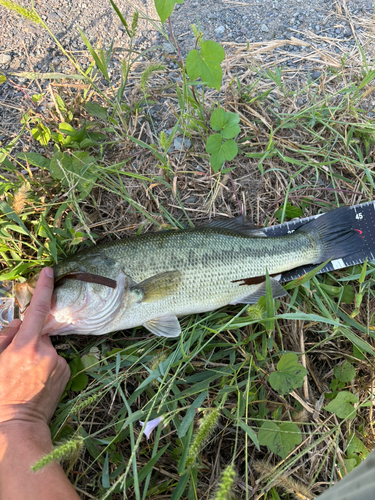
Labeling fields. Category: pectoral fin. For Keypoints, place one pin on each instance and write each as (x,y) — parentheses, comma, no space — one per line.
(165,326)
(157,287)
(277,291)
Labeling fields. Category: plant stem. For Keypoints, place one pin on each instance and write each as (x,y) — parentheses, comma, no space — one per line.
(175,42)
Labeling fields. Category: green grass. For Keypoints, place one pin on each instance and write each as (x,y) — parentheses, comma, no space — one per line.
(315,154)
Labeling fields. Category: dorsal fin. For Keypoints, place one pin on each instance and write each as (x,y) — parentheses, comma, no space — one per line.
(237,225)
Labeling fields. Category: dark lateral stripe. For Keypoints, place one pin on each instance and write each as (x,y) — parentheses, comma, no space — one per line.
(87,277)
(256,280)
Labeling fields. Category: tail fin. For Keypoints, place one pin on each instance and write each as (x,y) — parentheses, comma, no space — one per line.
(334,234)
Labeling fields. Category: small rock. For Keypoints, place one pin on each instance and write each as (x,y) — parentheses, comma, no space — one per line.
(5,59)
(181,144)
(264,28)
(53,16)
(315,75)
(220,30)
(191,200)
(168,48)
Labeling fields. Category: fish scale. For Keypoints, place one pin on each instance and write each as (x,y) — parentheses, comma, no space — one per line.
(204,255)
(161,276)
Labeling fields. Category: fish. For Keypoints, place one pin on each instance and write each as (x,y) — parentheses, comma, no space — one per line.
(155,278)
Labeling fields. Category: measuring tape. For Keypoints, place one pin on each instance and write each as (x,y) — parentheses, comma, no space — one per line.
(363,221)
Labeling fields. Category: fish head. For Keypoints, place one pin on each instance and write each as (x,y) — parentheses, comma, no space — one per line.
(80,307)
(89,297)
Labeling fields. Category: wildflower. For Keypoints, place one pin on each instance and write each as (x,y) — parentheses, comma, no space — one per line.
(150,426)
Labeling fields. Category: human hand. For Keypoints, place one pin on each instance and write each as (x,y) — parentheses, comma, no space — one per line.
(32,375)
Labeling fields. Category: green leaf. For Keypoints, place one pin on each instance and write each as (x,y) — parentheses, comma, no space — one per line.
(220,151)
(348,294)
(79,170)
(146,469)
(344,372)
(67,129)
(90,362)
(35,159)
(342,405)
(206,64)
(249,431)
(164,8)
(99,63)
(289,374)
(79,379)
(60,103)
(37,97)
(2,78)
(350,464)
(190,414)
(356,449)
(290,212)
(11,215)
(96,136)
(225,122)
(41,134)
(59,163)
(121,17)
(280,439)
(94,109)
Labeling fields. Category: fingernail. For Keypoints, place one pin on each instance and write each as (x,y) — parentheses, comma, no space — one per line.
(49,272)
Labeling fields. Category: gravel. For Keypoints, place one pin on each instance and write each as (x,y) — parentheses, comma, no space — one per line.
(24,46)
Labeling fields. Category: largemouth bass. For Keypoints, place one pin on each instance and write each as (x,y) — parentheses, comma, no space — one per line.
(153,279)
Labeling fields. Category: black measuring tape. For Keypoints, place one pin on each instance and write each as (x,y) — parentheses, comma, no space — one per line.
(363,220)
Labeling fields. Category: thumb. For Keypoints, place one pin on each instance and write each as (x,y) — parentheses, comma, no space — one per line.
(37,312)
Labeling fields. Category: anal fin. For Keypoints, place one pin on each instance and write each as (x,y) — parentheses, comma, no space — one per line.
(164,326)
(277,291)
